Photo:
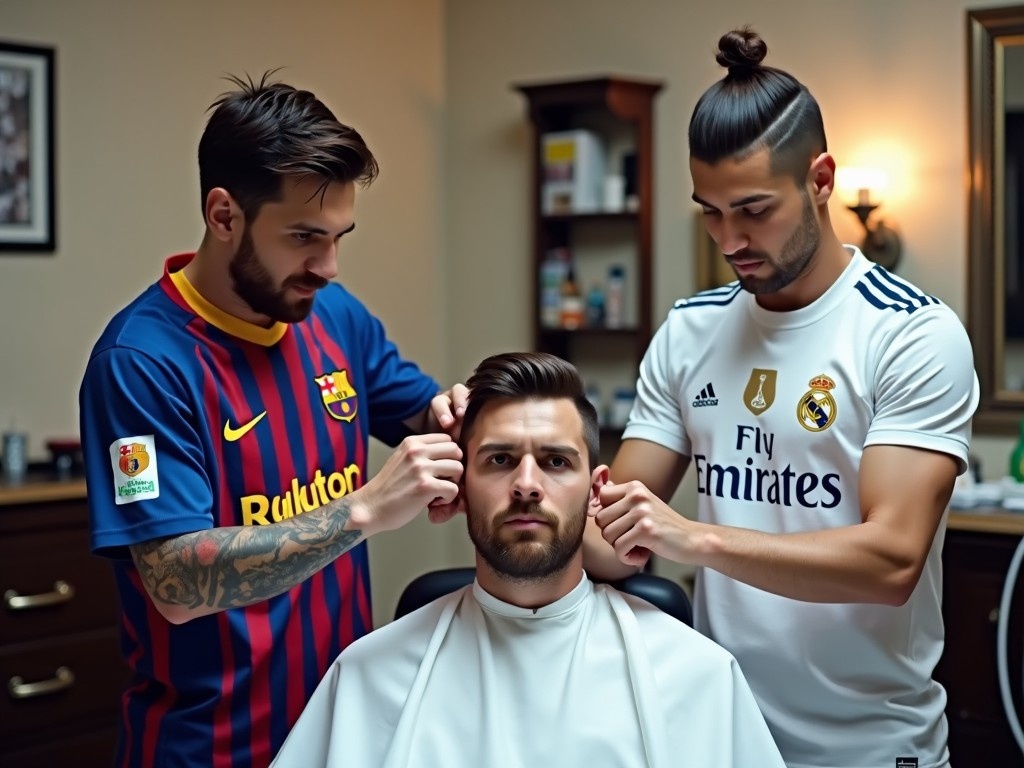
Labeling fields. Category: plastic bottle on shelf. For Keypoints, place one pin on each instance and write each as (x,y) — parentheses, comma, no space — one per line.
(621,406)
(1017,457)
(614,297)
(572,310)
(595,306)
(553,271)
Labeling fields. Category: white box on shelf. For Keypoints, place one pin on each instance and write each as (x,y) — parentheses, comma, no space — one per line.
(573,166)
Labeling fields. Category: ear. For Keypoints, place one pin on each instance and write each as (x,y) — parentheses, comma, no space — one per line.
(821,178)
(598,479)
(224,218)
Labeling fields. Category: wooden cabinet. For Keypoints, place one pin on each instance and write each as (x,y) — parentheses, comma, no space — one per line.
(976,557)
(616,233)
(59,647)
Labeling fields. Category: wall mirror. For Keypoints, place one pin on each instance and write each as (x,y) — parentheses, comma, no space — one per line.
(995,64)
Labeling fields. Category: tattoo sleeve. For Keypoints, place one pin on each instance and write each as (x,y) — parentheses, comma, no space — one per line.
(222,568)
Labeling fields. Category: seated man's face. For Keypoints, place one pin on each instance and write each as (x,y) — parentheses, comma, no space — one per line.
(527,485)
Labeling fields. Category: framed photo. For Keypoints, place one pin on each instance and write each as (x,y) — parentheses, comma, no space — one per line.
(27,193)
(712,268)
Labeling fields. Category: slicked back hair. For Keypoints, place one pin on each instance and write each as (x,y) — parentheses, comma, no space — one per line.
(266,131)
(756,107)
(530,376)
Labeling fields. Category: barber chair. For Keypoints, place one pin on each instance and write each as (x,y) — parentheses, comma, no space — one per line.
(657,590)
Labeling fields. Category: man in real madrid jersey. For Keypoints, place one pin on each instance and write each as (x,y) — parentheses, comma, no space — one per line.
(226,415)
(824,405)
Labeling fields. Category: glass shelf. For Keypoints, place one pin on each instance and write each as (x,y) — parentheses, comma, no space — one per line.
(588,331)
(611,433)
(599,216)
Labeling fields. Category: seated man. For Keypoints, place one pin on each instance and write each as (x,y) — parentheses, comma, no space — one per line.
(532,665)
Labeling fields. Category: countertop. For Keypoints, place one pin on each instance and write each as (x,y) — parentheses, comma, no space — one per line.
(40,489)
(987,520)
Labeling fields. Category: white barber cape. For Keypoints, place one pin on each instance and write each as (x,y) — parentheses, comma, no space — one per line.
(598,678)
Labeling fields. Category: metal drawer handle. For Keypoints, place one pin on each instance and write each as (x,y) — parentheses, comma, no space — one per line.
(62,593)
(62,679)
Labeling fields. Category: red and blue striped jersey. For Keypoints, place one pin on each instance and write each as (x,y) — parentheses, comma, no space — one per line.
(192,419)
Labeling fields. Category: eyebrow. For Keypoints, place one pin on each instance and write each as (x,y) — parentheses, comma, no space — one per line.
(737,203)
(549,448)
(301,227)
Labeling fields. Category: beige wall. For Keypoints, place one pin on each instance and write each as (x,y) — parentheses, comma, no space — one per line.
(133,83)
(890,79)
(892,95)
(134,80)
(442,250)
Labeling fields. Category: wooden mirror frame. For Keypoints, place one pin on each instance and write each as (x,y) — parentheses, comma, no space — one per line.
(1000,410)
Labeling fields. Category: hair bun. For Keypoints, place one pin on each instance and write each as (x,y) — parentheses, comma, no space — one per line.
(741,51)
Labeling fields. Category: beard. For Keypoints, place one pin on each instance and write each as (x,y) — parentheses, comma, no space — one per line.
(527,555)
(256,287)
(792,262)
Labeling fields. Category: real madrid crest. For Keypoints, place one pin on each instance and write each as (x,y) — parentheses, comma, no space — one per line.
(817,408)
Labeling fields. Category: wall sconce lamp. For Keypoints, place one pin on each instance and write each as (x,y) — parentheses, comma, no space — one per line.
(855,186)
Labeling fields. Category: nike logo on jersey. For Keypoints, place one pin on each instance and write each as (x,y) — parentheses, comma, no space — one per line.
(236,433)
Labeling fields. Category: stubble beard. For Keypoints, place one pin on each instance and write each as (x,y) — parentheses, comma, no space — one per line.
(255,286)
(792,262)
(529,555)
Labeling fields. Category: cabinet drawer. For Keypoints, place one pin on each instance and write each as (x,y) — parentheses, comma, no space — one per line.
(34,567)
(972,608)
(975,566)
(89,750)
(99,676)
(980,744)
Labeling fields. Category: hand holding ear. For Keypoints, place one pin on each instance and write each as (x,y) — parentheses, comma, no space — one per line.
(441,511)
(636,523)
(423,470)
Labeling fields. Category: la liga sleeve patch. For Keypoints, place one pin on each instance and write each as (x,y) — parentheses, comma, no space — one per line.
(133,460)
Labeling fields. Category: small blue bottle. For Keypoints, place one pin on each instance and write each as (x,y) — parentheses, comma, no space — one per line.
(595,306)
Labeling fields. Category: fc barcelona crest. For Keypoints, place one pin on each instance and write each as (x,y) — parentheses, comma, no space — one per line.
(339,398)
(760,390)
(817,408)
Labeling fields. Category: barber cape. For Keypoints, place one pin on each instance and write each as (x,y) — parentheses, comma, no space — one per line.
(598,678)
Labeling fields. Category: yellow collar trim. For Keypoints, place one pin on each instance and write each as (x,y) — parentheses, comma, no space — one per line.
(265,337)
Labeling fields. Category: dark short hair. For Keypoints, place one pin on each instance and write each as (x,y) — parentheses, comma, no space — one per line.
(265,131)
(531,375)
(755,107)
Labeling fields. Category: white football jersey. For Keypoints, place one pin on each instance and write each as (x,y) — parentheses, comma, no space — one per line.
(775,409)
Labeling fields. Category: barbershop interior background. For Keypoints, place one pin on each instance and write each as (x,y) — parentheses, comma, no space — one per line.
(442,252)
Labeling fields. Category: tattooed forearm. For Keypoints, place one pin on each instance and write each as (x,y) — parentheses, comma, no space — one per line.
(231,567)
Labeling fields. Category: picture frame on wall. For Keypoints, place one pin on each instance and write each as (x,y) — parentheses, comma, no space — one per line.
(712,268)
(27,153)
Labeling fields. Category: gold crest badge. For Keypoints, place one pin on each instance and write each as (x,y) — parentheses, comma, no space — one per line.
(817,408)
(759,393)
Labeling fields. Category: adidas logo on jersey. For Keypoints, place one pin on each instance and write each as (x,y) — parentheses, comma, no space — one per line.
(706,398)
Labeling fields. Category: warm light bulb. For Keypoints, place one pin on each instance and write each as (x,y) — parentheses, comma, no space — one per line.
(856,186)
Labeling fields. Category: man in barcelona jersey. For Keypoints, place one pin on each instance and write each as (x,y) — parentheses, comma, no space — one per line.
(226,415)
